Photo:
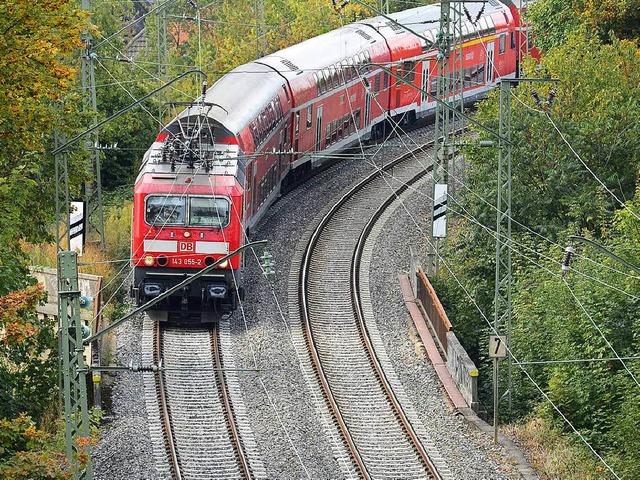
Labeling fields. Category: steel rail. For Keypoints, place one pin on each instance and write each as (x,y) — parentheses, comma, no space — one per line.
(358,310)
(304,306)
(243,461)
(164,407)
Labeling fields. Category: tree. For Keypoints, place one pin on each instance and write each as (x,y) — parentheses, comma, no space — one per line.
(37,41)
(555,194)
(28,361)
(554,20)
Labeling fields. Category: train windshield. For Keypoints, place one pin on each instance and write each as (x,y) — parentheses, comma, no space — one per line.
(165,210)
(208,211)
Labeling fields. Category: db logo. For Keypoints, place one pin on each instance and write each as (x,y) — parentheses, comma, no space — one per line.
(185,247)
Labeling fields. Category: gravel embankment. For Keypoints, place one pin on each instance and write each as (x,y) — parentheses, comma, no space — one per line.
(125,450)
(286,426)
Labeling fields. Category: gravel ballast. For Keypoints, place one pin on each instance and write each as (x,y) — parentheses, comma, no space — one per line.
(284,418)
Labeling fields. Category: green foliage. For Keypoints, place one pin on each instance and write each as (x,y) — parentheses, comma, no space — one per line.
(36,41)
(555,20)
(28,453)
(28,360)
(556,194)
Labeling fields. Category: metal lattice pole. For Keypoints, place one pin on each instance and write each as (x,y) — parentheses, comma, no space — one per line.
(76,410)
(163,69)
(62,196)
(449,89)
(503,278)
(261,35)
(93,185)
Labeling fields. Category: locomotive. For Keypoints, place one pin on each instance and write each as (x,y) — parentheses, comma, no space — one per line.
(213,171)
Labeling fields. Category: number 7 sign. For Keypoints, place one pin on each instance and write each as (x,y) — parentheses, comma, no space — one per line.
(497,346)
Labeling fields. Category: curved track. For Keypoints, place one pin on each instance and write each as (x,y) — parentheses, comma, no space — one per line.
(380,438)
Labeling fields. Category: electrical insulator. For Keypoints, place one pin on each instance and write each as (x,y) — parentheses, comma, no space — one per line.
(552,96)
(567,258)
(536,97)
(267,264)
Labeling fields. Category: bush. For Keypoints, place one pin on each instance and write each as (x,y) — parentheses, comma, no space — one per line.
(29,453)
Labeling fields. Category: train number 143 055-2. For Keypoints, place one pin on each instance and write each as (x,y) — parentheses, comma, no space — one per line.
(187,261)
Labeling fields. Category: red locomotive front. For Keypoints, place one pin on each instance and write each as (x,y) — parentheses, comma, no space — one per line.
(187,215)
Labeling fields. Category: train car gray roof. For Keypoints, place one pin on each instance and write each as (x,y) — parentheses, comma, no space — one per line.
(240,95)
(322,51)
(425,18)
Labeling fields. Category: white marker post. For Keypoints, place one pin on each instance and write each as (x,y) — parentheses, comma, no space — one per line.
(497,350)
(77,227)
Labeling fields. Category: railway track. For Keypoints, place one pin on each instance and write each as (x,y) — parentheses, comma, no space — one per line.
(380,439)
(198,432)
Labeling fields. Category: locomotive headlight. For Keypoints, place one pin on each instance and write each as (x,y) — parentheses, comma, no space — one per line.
(224,264)
(187,234)
(148,260)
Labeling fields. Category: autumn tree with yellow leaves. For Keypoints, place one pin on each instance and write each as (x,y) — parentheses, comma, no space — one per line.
(37,41)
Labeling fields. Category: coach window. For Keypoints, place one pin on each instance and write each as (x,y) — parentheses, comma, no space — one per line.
(503,43)
(512,40)
(329,77)
(297,123)
(309,116)
(346,71)
(406,68)
(164,210)
(323,82)
(208,212)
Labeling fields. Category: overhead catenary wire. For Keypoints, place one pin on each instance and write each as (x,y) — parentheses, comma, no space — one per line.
(596,327)
(520,365)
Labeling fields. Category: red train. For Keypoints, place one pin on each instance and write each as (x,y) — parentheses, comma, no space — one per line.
(215,169)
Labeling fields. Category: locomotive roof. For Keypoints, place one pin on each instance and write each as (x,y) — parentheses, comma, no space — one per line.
(241,94)
(237,98)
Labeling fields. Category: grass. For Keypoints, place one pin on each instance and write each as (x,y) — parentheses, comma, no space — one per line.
(553,454)
(111,263)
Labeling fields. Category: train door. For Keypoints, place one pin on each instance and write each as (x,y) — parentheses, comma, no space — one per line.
(367,108)
(318,146)
(425,82)
(254,186)
(489,67)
